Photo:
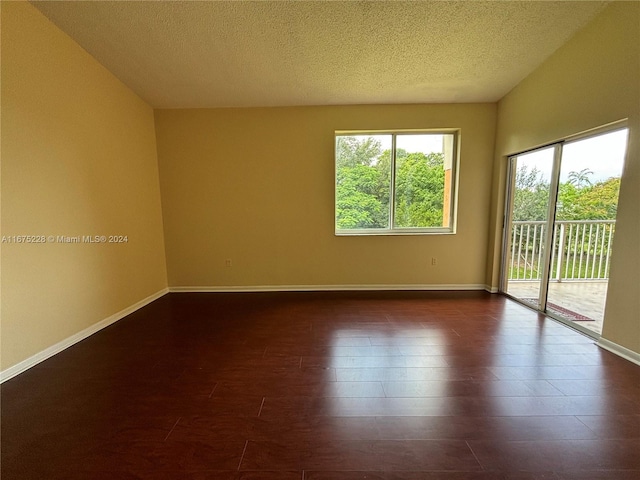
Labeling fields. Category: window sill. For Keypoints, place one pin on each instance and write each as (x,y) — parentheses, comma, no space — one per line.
(394,232)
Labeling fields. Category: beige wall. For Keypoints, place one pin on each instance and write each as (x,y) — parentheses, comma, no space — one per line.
(591,81)
(78,158)
(257,186)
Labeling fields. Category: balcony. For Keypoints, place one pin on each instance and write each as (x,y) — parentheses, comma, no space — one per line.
(579,272)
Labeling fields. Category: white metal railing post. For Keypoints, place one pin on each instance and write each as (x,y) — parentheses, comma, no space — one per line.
(584,233)
(519,249)
(537,245)
(560,259)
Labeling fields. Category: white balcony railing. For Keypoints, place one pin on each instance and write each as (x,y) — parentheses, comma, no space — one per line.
(581,250)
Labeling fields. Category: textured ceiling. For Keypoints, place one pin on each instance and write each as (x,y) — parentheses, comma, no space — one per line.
(220,54)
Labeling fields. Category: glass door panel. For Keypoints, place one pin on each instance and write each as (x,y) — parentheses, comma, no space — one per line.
(526,230)
(586,209)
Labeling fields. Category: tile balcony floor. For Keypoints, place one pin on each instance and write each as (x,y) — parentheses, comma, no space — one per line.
(585,298)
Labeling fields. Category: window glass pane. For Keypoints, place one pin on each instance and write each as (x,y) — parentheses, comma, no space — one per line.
(424,180)
(590,177)
(363,181)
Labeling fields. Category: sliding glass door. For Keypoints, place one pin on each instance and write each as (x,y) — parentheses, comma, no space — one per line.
(559,226)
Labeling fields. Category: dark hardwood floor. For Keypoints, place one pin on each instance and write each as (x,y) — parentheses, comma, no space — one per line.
(326,386)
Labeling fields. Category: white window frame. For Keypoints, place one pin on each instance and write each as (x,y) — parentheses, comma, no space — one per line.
(391,230)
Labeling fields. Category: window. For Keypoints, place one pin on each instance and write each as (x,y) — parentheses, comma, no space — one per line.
(394,183)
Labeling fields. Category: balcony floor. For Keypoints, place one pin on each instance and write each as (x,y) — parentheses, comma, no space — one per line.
(585,298)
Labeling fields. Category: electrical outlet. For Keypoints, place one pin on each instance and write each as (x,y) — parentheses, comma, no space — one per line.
(228,262)
(434,261)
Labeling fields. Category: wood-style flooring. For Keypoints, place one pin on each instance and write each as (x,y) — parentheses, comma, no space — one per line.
(326,386)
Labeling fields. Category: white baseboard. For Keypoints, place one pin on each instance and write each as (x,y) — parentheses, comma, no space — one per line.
(324,288)
(73,339)
(491,289)
(619,350)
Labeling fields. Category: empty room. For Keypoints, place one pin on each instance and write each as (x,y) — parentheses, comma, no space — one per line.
(320,240)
